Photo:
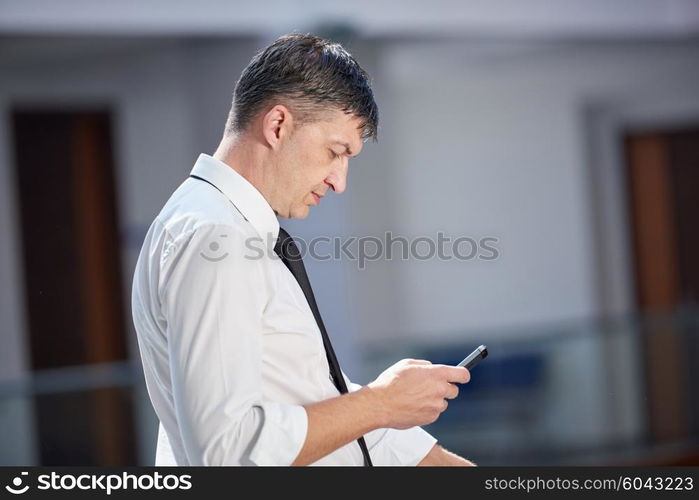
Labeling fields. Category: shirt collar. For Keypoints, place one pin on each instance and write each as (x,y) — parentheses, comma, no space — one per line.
(247,199)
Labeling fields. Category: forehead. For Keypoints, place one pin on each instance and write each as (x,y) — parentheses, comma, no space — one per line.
(342,128)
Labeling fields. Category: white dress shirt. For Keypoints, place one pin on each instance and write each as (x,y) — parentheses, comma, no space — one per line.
(230,348)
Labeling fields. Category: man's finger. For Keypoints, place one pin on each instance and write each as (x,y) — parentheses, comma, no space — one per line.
(457,374)
(452,391)
(418,362)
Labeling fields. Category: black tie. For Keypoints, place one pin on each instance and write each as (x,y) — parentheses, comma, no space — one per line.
(289,253)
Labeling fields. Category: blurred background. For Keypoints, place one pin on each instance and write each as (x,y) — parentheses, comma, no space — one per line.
(567,130)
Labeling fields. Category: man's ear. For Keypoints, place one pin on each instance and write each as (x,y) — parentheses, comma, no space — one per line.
(277,124)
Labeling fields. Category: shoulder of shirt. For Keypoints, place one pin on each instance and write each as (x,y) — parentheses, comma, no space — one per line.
(197,206)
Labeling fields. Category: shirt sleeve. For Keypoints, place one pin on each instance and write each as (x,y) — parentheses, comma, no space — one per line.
(213,297)
(396,446)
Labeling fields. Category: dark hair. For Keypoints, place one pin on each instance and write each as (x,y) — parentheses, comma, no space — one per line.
(309,74)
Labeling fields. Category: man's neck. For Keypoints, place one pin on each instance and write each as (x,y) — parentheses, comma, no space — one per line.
(242,157)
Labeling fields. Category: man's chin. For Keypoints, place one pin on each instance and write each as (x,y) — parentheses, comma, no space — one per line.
(303,214)
(298,213)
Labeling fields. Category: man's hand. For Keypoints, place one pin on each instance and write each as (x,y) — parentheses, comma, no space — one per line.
(438,456)
(408,394)
(415,392)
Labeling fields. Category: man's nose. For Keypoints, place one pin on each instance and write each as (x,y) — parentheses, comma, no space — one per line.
(338,177)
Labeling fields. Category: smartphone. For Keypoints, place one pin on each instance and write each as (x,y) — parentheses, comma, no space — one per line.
(475,357)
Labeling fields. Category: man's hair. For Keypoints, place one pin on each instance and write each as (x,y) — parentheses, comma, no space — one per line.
(309,75)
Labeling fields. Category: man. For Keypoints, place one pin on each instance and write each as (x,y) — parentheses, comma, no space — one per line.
(237,363)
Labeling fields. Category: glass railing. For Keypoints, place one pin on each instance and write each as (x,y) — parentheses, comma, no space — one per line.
(77,415)
(609,392)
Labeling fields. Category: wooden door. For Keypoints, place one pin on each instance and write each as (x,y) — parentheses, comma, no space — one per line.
(73,281)
(663,187)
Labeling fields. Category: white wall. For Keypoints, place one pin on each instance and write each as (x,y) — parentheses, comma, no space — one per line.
(493,142)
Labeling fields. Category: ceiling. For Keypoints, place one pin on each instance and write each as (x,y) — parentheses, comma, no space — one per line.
(539,19)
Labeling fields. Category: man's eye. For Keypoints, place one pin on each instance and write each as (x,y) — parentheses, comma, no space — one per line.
(334,155)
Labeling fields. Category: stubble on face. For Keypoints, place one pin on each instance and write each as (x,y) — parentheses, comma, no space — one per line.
(308,163)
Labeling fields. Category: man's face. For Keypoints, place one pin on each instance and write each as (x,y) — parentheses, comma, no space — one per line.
(314,160)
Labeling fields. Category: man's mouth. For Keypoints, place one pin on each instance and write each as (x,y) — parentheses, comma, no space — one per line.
(316,198)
